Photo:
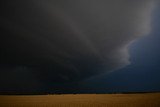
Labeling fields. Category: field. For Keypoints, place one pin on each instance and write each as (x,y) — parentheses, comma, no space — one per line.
(82,100)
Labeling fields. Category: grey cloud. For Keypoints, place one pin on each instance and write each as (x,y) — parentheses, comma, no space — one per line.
(70,40)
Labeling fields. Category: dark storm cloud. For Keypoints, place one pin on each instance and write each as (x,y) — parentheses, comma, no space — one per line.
(70,40)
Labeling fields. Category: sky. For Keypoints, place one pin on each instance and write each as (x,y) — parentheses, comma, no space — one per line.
(143,72)
(80,46)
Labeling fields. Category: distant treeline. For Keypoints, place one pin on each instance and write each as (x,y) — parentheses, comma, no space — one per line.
(59,93)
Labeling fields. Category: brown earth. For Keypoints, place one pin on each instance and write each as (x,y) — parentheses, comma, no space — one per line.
(82,100)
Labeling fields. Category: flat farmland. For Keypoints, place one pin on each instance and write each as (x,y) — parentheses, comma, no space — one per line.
(82,100)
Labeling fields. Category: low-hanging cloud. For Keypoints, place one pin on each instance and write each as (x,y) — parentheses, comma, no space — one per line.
(70,40)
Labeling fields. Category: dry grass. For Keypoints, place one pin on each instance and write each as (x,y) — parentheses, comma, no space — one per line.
(82,100)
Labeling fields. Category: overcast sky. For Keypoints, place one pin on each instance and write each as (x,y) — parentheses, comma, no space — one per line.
(79,45)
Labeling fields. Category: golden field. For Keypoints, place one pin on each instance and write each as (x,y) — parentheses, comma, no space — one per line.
(82,100)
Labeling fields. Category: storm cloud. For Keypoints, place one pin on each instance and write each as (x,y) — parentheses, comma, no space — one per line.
(69,40)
